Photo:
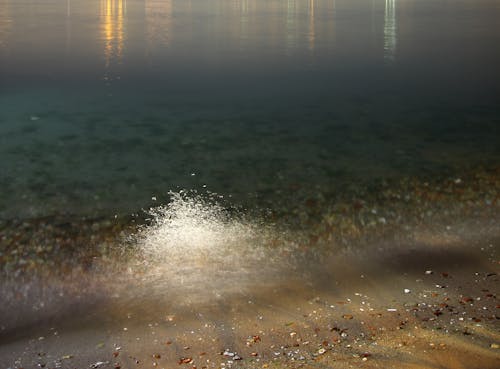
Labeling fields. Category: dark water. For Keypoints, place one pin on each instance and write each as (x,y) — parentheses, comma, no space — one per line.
(104,104)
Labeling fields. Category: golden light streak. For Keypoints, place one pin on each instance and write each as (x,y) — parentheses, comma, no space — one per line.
(112,28)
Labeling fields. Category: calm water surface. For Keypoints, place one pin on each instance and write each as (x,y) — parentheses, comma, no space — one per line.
(106,103)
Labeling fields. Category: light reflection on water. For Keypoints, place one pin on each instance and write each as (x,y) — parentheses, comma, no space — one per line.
(105,103)
(158,23)
(5,25)
(390,29)
(288,26)
(113,13)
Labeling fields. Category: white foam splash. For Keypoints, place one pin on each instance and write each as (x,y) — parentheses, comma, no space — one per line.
(195,244)
(192,227)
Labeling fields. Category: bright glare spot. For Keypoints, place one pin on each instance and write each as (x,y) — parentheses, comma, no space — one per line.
(196,245)
(191,227)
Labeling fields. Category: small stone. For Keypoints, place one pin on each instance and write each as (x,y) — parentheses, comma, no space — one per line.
(185,360)
(99,364)
(495,346)
(406,290)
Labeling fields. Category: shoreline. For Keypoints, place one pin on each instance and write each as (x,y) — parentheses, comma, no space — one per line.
(337,288)
(404,210)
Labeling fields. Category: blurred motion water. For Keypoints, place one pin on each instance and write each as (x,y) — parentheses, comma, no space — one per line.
(106,103)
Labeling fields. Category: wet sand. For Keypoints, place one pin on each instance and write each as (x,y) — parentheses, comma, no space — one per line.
(433,304)
(391,301)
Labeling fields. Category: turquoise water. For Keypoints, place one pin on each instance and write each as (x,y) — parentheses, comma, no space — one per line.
(106,104)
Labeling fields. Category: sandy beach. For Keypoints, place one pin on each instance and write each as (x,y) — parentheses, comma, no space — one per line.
(423,296)
(434,306)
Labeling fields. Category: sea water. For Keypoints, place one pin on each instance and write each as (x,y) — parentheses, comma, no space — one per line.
(106,104)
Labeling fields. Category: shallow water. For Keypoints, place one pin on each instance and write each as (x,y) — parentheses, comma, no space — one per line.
(323,155)
(105,104)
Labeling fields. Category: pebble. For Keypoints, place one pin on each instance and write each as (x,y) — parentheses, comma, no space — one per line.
(99,364)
